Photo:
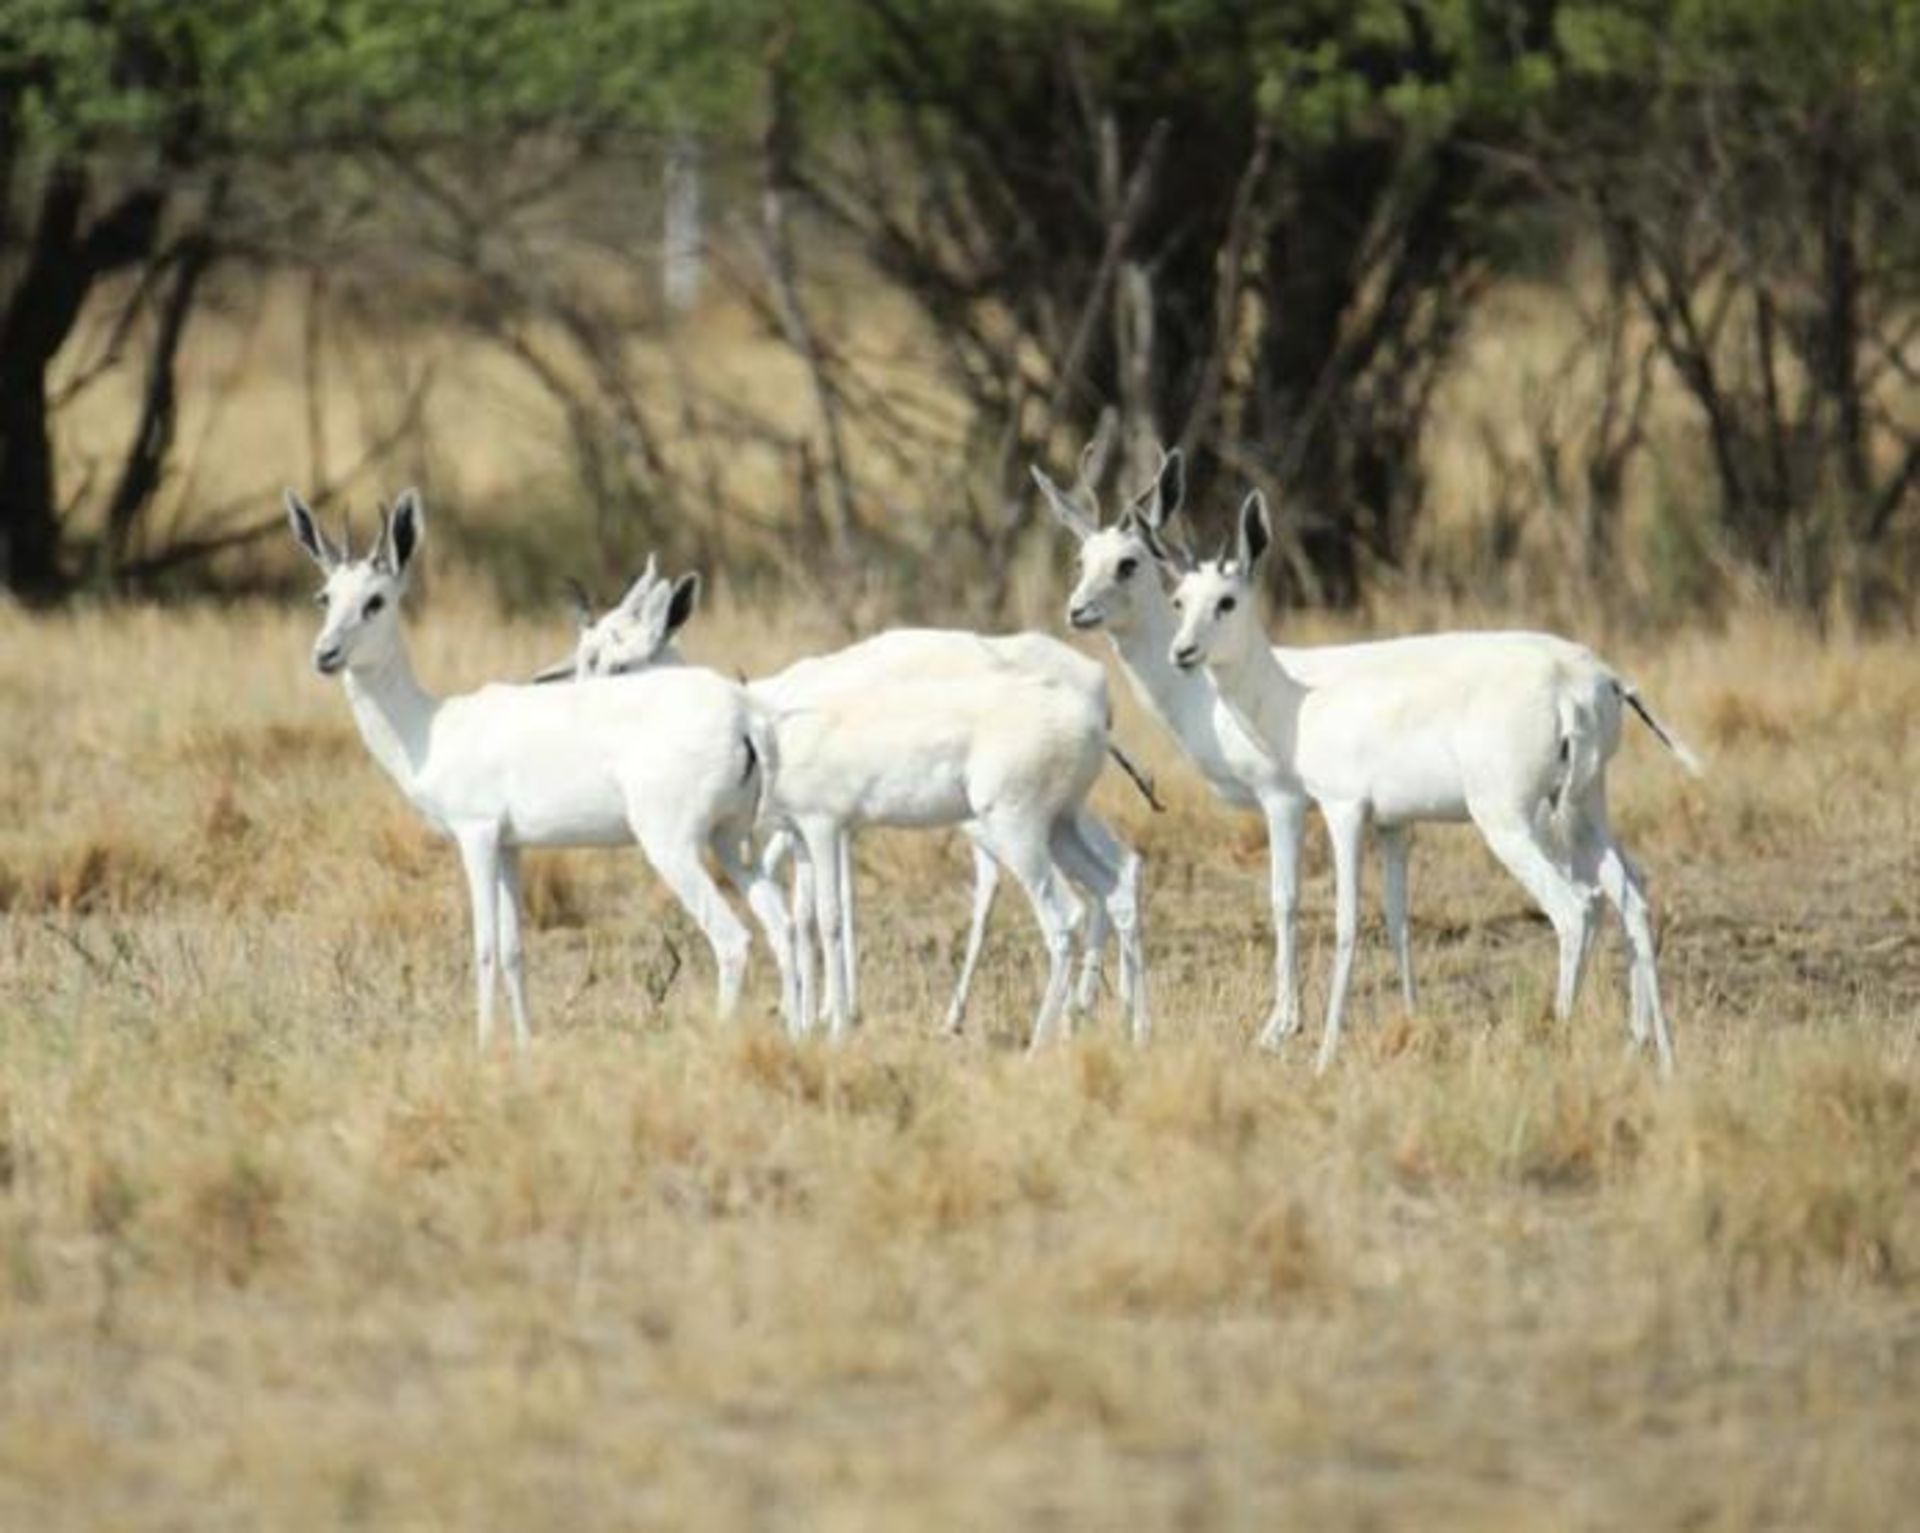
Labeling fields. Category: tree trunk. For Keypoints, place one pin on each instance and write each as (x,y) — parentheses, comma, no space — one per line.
(39,313)
(29,523)
(62,263)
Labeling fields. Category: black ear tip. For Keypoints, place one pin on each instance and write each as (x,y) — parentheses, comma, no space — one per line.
(686,591)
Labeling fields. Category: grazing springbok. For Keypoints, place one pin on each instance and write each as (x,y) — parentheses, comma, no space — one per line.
(679,762)
(958,670)
(1512,731)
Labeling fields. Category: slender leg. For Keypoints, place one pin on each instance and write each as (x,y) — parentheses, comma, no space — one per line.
(986,880)
(508,898)
(1347,826)
(1123,906)
(1568,905)
(819,838)
(1393,861)
(782,844)
(1621,883)
(849,940)
(1108,869)
(479,857)
(808,1006)
(1286,823)
(763,899)
(1021,848)
(674,850)
(1093,943)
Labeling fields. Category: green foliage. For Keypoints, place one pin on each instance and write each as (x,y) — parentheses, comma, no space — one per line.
(283,73)
(272,75)
(1867,51)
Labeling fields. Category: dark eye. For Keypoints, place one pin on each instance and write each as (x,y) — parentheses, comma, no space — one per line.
(1227,604)
(1127,567)
(320,599)
(374,604)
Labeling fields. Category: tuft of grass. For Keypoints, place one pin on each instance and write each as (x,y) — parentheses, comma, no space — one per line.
(94,876)
(232,1223)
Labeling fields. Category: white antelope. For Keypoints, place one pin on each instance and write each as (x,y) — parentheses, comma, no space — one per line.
(1118,589)
(1510,730)
(923,727)
(679,763)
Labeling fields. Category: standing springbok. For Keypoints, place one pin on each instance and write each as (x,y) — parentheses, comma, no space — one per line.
(679,763)
(1118,589)
(1510,730)
(891,668)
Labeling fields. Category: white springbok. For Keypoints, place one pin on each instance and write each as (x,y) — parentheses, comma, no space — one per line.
(958,671)
(1512,731)
(1118,590)
(679,763)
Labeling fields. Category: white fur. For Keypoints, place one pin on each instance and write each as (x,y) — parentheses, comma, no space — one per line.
(1510,730)
(678,763)
(929,727)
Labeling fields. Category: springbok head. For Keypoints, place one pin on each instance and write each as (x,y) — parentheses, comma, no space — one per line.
(361,596)
(635,633)
(1120,562)
(1214,607)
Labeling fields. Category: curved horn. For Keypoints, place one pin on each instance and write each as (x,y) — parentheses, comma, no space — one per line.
(1170,548)
(383,545)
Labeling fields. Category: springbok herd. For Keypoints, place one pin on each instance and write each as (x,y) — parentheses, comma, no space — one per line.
(1003,736)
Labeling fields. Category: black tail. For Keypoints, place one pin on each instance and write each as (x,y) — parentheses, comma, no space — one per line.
(1141,779)
(1681,753)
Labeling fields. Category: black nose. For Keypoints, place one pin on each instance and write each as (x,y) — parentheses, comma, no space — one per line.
(1082,617)
(329,660)
(1185,658)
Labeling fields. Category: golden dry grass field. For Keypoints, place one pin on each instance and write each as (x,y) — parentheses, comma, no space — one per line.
(277,1250)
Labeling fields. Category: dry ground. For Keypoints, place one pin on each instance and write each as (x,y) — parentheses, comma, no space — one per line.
(277,1250)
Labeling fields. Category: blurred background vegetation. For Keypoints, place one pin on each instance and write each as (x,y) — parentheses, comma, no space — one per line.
(1615,304)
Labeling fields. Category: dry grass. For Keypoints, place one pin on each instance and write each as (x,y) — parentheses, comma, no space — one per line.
(276,1250)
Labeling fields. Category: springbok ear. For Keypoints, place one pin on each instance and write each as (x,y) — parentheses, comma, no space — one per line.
(560,670)
(680,605)
(1256,531)
(308,534)
(636,595)
(1161,503)
(1065,512)
(400,537)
